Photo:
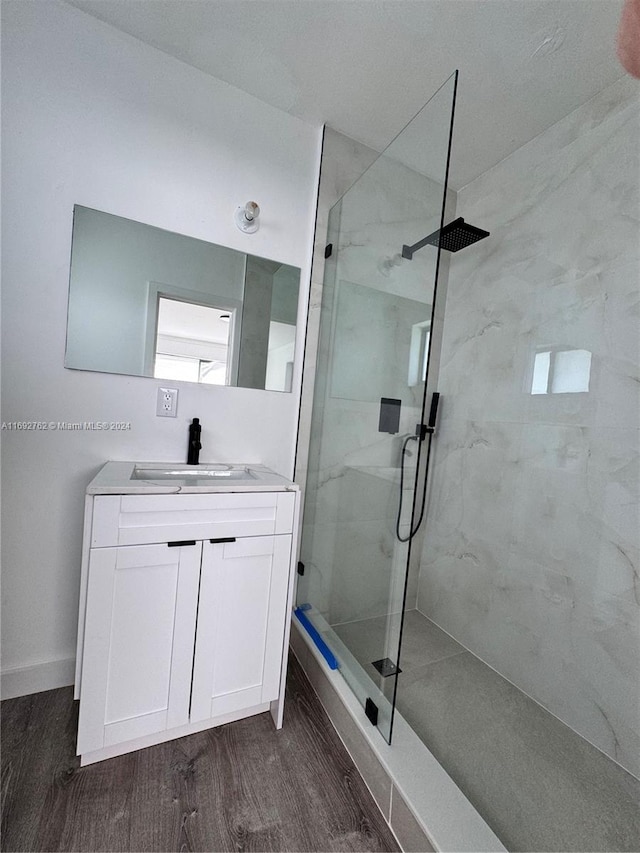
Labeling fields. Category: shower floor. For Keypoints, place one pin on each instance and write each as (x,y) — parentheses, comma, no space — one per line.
(538,784)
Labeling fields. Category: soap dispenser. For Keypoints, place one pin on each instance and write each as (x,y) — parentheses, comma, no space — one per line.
(193,452)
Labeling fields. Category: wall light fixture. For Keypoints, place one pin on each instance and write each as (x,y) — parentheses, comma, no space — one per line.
(247,217)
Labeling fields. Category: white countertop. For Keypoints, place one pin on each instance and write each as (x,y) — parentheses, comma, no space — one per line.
(116,478)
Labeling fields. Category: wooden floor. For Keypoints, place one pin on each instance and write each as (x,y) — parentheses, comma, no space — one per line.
(242,786)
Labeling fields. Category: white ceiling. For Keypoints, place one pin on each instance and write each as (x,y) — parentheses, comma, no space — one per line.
(365,67)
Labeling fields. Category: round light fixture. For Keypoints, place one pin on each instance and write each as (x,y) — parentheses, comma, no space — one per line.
(247,217)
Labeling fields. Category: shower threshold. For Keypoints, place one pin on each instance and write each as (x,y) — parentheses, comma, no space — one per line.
(424,807)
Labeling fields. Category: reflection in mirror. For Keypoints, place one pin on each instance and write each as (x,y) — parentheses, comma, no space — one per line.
(147,302)
(393,357)
(192,343)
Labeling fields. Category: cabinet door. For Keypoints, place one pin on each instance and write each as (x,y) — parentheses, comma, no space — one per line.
(241,622)
(138,648)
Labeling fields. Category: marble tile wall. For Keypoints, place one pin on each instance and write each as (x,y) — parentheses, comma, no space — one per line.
(531,550)
(343,162)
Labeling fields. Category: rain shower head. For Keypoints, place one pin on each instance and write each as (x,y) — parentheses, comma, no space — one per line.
(453,237)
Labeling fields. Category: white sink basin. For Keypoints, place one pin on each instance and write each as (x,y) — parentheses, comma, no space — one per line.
(170,478)
(193,472)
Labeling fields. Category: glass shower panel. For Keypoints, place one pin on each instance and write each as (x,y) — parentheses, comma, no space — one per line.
(375,342)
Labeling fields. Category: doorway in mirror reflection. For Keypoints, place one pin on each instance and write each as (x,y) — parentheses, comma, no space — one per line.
(192,342)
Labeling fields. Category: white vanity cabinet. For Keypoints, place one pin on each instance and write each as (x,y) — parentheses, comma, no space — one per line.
(241,615)
(184,614)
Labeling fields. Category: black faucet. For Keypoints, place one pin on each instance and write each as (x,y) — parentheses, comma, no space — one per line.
(193,453)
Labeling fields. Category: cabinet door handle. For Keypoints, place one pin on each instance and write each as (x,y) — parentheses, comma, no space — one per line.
(224,539)
(180,543)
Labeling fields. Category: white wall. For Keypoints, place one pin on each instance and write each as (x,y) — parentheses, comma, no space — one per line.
(94,117)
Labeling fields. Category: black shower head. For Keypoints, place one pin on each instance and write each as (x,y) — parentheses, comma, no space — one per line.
(453,237)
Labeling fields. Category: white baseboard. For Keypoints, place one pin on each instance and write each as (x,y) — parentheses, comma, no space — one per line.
(33,679)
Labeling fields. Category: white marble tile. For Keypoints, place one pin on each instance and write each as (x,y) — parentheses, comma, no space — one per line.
(507,599)
(361,574)
(613,474)
(576,505)
(475,467)
(343,161)
(371,345)
(485,340)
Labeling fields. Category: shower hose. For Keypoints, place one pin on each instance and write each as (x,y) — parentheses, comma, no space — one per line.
(421,431)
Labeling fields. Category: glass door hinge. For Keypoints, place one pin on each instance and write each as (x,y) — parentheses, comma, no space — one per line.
(371,710)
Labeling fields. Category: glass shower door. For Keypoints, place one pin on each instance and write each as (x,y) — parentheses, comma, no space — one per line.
(367,457)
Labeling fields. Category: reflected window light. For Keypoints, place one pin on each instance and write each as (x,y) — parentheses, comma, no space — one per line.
(419,352)
(213,372)
(540,381)
(561,371)
(175,367)
(186,369)
(572,371)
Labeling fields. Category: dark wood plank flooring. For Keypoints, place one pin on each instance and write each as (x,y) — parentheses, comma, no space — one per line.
(242,786)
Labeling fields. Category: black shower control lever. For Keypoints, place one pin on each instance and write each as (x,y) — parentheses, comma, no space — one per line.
(433,412)
(389,420)
(422,430)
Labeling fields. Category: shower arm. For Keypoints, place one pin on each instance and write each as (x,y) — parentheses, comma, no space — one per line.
(409,251)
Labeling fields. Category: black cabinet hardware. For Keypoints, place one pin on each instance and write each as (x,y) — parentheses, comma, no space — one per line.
(180,543)
(224,539)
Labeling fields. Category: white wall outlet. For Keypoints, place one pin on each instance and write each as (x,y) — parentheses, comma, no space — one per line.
(167,405)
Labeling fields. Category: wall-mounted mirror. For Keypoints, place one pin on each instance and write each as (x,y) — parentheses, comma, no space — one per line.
(147,302)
